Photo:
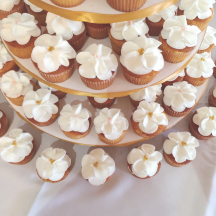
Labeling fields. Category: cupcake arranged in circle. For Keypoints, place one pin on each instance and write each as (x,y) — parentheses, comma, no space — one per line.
(15,85)
(199,69)
(175,45)
(17,147)
(111,125)
(141,60)
(53,165)
(19,32)
(75,121)
(101,103)
(179,99)
(203,123)
(72,31)
(149,94)
(97,66)
(122,32)
(144,162)
(97,31)
(155,22)
(54,58)
(149,120)
(212,98)
(68,3)
(3,124)
(197,12)
(180,149)
(41,107)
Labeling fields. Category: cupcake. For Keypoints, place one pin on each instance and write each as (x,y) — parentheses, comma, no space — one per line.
(41,107)
(8,7)
(68,3)
(38,13)
(212,98)
(97,167)
(3,124)
(179,99)
(149,120)
(53,57)
(53,165)
(214,70)
(56,92)
(141,60)
(126,5)
(75,121)
(122,32)
(111,125)
(97,31)
(72,31)
(19,32)
(197,12)
(177,49)
(209,41)
(6,62)
(101,103)
(180,149)
(149,94)
(155,22)
(15,85)
(17,147)
(199,69)
(203,123)
(97,66)
(144,162)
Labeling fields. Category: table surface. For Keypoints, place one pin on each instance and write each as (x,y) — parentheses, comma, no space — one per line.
(188,191)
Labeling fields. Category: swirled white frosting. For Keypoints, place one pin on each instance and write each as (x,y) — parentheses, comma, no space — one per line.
(181,145)
(180,96)
(63,27)
(111,123)
(50,52)
(97,166)
(182,74)
(178,34)
(33,7)
(19,27)
(209,38)
(129,30)
(164,14)
(200,66)
(15,145)
(149,116)
(214,92)
(101,100)
(142,55)
(4,56)
(196,8)
(144,160)
(74,118)
(7,5)
(15,84)
(148,94)
(43,86)
(205,118)
(1,114)
(40,105)
(97,61)
(52,164)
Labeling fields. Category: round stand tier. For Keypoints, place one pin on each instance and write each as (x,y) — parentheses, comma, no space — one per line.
(92,138)
(98,11)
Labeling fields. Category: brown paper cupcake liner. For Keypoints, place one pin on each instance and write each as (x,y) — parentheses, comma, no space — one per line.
(67,3)
(178,79)
(194,81)
(97,32)
(97,105)
(155,28)
(211,47)
(212,100)
(4,125)
(10,65)
(78,41)
(111,142)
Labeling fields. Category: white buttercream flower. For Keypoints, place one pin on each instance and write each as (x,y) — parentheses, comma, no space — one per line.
(142,55)
(4,56)
(201,65)
(149,116)
(7,5)
(44,86)
(180,96)
(111,123)
(40,105)
(181,145)
(178,33)
(97,61)
(52,164)
(181,74)
(15,146)
(144,160)
(33,7)
(19,27)
(209,38)
(50,52)
(205,118)
(101,100)
(97,166)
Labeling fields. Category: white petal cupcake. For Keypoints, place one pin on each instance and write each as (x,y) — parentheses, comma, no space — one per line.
(212,98)
(97,167)
(101,103)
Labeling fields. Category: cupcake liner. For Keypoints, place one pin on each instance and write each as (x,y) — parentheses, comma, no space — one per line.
(212,100)
(59,94)
(97,105)
(78,41)
(126,5)
(167,83)
(4,125)
(67,3)
(111,142)
(97,32)
(155,28)
(10,65)
(194,81)
(211,47)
